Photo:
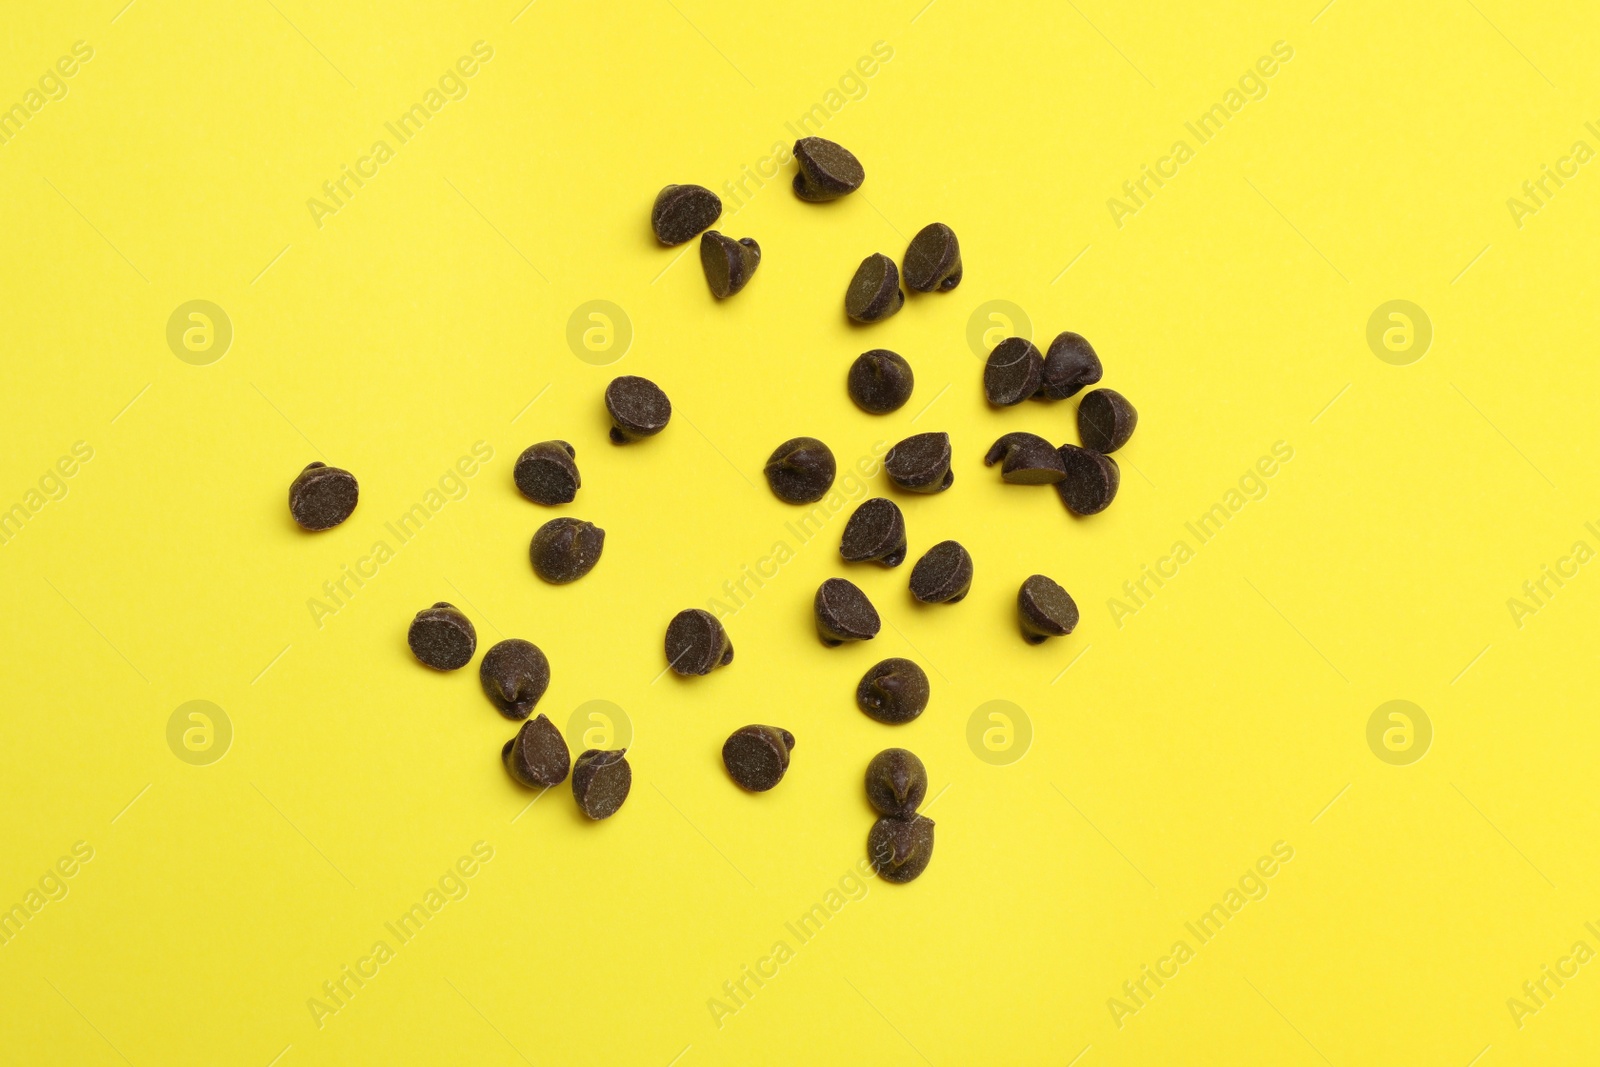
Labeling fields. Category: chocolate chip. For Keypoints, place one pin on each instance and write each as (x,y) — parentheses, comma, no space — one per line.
(876,531)
(933,259)
(681,211)
(546,474)
(1091,481)
(1012,372)
(921,463)
(844,613)
(537,756)
(1044,609)
(1069,365)
(757,756)
(566,549)
(943,574)
(801,470)
(880,381)
(729,264)
(515,675)
(1105,420)
(900,848)
(874,292)
(897,782)
(697,643)
(893,692)
(442,638)
(827,171)
(601,779)
(321,497)
(1028,460)
(638,408)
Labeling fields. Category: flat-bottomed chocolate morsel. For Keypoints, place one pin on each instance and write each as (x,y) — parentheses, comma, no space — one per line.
(697,643)
(515,675)
(844,613)
(321,497)
(601,779)
(921,463)
(900,849)
(876,531)
(1026,459)
(1091,481)
(933,259)
(880,381)
(826,171)
(546,473)
(893,692)
(1044,609)
(729,264)
(537,756)
(442,638)
(565,549)
(638,408)
(801,470)
(1105,420)
(1070,364)
(681,211)
(1012,372)
(897,782)
(874,292)
(757,756)
(943,574)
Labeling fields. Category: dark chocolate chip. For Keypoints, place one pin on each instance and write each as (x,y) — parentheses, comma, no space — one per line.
(827,171)
(943,574)
(1105,420)
(897,782)
(880,381)
(757,756)
(515,675)
(681,211)
(874,292)
(801,470)
(565,549)
(900,848)
(893,692)
(1069,364)
(1028,460)
(933,259)
(921,463)
(844,613)
(546,474)
(321,497)
(729,264)
(697,643)
(601,779)
(638,408)
(1091,481)
(1012,372)
(537,756)
(1044,609)
(442,638)
(877,532)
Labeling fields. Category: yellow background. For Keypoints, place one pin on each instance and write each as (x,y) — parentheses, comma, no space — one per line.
(1227,714)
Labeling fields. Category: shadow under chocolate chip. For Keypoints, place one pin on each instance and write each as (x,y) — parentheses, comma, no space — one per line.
(843,613)
(1044,610)
(921,463)
(729,264)
(876,532)
(893,692)
(601,779)
(933,259)
(1026,459)
(1091,482)
(757,756)
(874,293)
(880,381)
(546,473)
(1105,420)
(537,756)
(1070,364)
(943,575)
(801,470)
(321,497)
(514,675)
(681,211)
(1013,372)
(696,643)
(897,782)
(638,408)
(826,171)
(565,549)
(899,849)
(442,637)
